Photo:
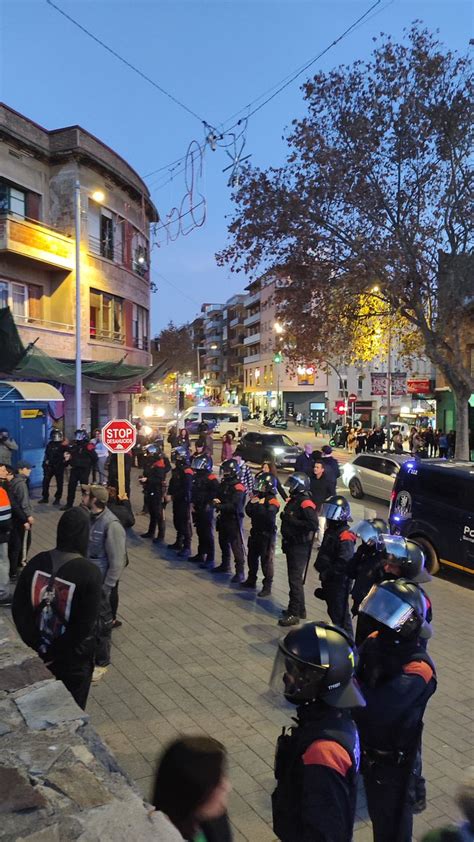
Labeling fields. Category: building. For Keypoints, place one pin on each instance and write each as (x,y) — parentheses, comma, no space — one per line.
(38,173)
(233,350)
(212,369)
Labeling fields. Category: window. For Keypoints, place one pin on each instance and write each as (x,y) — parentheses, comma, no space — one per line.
(12,200)
(14,296)
(140,327)
(343,386)
(139,254)
(106,234)
(106,316)
(360,383)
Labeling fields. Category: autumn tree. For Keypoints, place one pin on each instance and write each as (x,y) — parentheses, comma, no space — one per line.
(375,192)
(174,344)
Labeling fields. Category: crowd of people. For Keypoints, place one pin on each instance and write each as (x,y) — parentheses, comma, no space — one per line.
(421,441)
(360,693)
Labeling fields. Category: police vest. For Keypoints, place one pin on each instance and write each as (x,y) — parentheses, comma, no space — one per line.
(287,797)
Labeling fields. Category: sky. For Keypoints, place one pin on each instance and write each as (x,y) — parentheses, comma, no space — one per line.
(215,57)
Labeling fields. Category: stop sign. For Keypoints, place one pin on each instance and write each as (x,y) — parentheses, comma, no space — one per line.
(119,435)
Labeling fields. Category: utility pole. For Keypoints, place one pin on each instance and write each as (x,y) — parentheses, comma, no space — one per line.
(78,379)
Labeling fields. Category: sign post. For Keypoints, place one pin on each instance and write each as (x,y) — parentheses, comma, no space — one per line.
(352,399)
(119,437)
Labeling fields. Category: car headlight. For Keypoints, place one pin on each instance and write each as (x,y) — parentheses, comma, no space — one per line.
(278,450)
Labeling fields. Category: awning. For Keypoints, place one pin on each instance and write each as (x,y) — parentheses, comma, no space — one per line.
(13,389)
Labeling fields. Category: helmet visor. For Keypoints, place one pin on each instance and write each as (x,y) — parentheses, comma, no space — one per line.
(386,608)
(396,548)
(295,679)
(332,512)
(367,532)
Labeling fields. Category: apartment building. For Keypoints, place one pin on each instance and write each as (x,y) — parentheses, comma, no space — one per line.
(39,169)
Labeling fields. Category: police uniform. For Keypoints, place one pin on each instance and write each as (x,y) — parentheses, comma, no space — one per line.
(155,487)
(82,459)
(204,490)
(299,522)
(365,569)
(53,466)
(230,512)
(261,542)
(180,489)
(335,553)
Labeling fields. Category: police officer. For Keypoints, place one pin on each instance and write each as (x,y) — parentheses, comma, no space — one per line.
(229,502)
(334,555)
(299,523)
(180,490)
(53,466)
(82,458)
(317,763)
(204,491)
(397,678)
(366,568)
(262,509)
(157,465)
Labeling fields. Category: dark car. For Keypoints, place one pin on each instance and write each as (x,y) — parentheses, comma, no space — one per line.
(280,448)
(433,503)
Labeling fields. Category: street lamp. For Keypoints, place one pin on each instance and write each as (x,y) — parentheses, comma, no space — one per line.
(98,196)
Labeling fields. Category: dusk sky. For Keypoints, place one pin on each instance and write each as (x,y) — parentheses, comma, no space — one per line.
(215,57)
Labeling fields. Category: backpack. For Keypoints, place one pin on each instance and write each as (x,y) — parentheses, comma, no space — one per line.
(52,611)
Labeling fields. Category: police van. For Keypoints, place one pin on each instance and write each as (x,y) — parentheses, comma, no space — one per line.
(433,503)
(219,419)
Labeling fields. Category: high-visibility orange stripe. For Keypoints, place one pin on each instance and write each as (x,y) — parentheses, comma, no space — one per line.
(328,753)
(308,504)
(419,668)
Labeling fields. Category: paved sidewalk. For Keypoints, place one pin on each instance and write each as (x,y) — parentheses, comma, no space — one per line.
(194,655)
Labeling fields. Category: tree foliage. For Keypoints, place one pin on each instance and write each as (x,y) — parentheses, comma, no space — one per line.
(174,344)
(376,185)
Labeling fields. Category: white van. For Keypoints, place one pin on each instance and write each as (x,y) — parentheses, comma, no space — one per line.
(220,419)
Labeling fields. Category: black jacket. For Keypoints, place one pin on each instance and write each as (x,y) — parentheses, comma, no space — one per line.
(323,487)
(204,490)
(180,485)
(83,455)
(263,516)
(336,551)
(54,456)
(304,464)
(155,475)
(299,520)
(365,568)
(230,509)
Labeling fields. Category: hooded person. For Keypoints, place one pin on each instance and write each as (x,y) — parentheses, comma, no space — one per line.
(56,605)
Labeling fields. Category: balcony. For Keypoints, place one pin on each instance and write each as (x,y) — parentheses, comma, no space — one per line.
(236,321)
(44,324)
(253,319)
(254,358)
(254,298)
(213,337)
(212,367)
(253,339)
(35,241)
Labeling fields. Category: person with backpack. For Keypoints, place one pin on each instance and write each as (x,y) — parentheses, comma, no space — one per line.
(56,605)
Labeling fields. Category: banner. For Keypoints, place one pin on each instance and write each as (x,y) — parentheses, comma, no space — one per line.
(419,386)
(378,383)
(399,383)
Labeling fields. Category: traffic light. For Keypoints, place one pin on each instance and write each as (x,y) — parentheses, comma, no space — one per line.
(341,408)
(278,357)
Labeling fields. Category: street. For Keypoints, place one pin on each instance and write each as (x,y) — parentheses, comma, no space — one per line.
(195,654)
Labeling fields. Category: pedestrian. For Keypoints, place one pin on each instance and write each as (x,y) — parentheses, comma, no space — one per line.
(416,442)
(299,418)
(81,457)
(464,830)
(366,569)
(443,444)
(102,455)
(112,469)
(229,504)
(361,444)
(332,562)
(245,474)
(173,437)
(5,528)
(351,440)
(183,439)
(331,462)
(436,434)
(451,444)
(56,605)
(322,484)
(371,441)
(204,491)
(227,450)
(269,467)
(379,439)
(180,492)
(22,515)
(305,462)
(53,466)
(262,509)
(8,446)
(121,508)
(317,761)
(191,792)
(108,551)
(429,441)
(397,442)
(154,483)
(299,523)
(397,678)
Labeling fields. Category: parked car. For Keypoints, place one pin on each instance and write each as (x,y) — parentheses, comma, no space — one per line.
(373,474)
(280,448)
(433,503)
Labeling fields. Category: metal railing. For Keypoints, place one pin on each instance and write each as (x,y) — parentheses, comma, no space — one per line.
(32,321)
(106,335)
(101,248)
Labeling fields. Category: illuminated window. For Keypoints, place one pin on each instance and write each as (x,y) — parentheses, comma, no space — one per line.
(106,316)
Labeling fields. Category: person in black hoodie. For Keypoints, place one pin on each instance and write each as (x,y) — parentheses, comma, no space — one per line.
(56,605)
(81,457)
(322,483)
(53,466)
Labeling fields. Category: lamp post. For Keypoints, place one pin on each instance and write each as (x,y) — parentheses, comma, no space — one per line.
(279,329)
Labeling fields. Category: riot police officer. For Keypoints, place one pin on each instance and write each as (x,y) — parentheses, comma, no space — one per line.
(299,523)
(317,763)
(229,502)
(262,509)
(334,555)
(365,567)
(53,466)
(204,491)
(157,466)
(180,489)
(397,678)
(81,456)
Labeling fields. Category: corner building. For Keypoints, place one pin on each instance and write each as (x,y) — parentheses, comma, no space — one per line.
(38,173)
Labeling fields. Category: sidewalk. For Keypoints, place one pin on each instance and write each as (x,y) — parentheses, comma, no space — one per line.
(195,655)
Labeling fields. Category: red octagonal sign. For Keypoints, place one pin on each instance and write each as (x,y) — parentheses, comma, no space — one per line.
(119,435)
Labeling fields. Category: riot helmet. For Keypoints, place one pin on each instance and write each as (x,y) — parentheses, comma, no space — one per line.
(316,663)
(56,435)
(265,483)
(297,483)
(371,531)
(407,557)
(399,606)
(80,435)
(229,470)
(153,450)
(202,462)
(335,508)
(181,455)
